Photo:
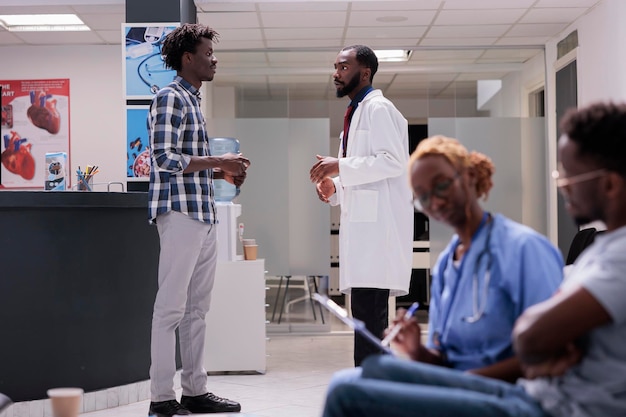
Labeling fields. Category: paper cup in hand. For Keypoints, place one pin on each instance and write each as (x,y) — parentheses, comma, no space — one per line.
(65,402)
(249,252)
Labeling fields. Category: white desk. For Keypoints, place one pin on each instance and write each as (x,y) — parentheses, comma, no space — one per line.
(235,334)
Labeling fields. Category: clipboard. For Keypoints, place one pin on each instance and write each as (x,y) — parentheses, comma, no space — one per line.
(357,325)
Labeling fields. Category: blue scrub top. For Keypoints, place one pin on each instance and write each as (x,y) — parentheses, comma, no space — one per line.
(525,269)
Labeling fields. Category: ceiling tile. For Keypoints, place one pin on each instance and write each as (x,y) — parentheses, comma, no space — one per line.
(514,55)
(526,40)
(55,38)
(551,29)
(397,5)
(487,4)
(481,76)
(567,3)
(457,41)
(303,33)
(429,78)
(303,20)
(7,38)
(295,44)
(227,44)
(239,34)
(52,9)
(229,20)
(412,32)
(479,17)
(387,43)
(111,37)
(101,8)
(210,6)
(445,56)
(478,31)
(103,21)
(378,18)
(314,57)
(303,6)
(552,15)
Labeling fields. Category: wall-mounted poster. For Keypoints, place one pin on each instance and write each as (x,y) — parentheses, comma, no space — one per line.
(35,121)
(137,149)
(144,69)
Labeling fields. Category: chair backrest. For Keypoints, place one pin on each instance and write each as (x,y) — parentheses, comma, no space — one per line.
(581,240)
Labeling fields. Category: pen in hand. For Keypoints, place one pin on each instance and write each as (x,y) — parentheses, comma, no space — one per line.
(396,329)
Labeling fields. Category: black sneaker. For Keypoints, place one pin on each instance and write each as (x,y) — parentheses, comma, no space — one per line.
(209,403)
(167,409)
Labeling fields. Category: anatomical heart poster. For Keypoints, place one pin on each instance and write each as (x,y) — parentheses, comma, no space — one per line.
(35,121)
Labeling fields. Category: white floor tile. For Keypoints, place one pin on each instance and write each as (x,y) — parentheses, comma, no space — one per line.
(298,371)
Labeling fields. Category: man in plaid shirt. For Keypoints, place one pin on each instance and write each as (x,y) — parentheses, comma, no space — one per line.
(182,206)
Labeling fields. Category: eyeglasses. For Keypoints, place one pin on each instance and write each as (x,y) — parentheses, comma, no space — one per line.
(574,179)
(440,189)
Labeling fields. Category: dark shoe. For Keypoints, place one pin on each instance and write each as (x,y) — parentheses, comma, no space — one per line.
(209,403)
(167,409)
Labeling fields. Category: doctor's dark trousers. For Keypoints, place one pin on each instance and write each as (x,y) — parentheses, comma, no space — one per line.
(371,306)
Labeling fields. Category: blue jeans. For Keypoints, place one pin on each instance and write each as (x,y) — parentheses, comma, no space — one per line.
(393,387)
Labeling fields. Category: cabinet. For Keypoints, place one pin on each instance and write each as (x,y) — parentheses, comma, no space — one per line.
(235,335)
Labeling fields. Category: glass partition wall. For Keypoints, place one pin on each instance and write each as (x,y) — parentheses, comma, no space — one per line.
(485,97)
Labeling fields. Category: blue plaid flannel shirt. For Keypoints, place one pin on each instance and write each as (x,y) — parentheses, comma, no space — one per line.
(177,130)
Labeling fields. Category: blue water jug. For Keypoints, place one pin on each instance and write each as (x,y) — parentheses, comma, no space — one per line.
(224,191)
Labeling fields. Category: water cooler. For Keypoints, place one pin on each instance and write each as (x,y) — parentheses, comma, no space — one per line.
(227,230)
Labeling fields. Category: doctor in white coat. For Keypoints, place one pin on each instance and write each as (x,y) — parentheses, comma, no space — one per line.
(369,181)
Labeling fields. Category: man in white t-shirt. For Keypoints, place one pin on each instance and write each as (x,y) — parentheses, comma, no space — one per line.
(573,344)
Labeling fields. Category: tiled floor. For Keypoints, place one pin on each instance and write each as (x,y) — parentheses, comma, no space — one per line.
(298,371)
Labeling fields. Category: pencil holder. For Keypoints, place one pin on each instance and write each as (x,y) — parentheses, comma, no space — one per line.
(82,185)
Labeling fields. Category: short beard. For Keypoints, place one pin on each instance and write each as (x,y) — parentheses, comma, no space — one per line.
(348,88)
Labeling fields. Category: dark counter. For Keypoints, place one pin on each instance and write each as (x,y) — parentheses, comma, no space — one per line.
(77,285)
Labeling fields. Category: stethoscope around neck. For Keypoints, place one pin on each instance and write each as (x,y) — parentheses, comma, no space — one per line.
(478,307)
(479,301)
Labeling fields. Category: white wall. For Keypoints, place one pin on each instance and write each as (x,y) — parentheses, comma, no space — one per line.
(601,60)
(601,54)
(97,132)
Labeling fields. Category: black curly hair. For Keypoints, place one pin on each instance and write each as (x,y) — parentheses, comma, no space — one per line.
(183,39)
(599,130)
(366,57)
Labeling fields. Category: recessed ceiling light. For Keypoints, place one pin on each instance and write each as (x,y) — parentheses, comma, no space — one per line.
(391,19)
(42,22)
(392,55)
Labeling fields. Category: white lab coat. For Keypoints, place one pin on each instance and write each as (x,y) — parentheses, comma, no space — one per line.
(376,230)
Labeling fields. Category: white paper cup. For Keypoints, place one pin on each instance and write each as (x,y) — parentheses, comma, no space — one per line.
(248,242)
(250,252)
(65,402)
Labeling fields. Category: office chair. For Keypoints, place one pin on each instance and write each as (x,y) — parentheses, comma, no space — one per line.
(581,240)
(5,402)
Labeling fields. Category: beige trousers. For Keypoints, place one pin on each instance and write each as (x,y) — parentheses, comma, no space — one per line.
(186,274)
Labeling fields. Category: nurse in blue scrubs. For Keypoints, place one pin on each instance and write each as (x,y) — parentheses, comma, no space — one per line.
(491,271)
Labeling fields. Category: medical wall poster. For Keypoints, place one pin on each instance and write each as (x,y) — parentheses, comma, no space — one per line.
(35,121)
(137,149)
(144,69)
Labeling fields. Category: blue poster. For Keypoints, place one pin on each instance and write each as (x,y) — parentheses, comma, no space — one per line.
(137,149)
(144,69)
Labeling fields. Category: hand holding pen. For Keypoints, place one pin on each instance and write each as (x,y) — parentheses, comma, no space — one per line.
(396,329)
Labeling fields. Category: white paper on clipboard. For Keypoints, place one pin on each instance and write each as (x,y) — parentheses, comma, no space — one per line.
(357,325)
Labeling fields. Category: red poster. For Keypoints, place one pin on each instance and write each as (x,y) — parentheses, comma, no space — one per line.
(35,121)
